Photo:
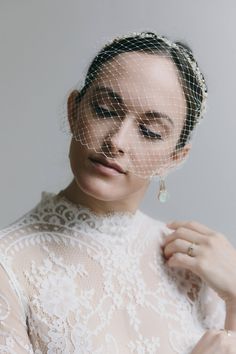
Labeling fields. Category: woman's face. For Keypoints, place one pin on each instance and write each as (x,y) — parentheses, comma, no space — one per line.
(132,115)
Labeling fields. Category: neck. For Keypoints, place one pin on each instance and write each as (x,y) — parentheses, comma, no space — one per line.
(77,196)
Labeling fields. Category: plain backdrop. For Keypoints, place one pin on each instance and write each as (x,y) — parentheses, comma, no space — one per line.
(46,47)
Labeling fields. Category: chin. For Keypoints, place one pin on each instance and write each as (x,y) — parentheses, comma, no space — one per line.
(99,188)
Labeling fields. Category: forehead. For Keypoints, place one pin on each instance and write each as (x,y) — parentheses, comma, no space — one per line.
(144,81)
(149,70)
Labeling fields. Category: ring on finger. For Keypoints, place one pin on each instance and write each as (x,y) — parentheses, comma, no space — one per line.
(190,250)
(228,332)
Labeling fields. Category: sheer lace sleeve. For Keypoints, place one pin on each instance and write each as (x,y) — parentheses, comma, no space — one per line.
(13,328)
(211,308)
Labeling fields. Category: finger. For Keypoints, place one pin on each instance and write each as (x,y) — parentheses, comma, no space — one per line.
(208,343)
(192,225)
(182,260)
(185,234)
(214,342)
(179,246)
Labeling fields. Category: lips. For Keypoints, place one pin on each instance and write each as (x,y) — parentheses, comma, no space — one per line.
(107,163)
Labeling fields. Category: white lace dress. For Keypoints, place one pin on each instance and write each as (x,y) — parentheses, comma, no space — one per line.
(75,282)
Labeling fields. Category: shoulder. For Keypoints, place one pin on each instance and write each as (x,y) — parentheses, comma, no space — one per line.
(186,281)
(155,227)
(14,235)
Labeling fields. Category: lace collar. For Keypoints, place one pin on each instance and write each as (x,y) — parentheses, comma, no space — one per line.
(59,210)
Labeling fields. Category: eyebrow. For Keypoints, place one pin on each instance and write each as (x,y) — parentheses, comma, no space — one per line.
(115,96)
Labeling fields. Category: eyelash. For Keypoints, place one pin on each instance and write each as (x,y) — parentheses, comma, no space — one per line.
(148,133)
(105,113)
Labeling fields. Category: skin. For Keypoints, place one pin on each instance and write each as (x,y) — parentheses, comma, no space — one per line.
(214,258)
(216,342)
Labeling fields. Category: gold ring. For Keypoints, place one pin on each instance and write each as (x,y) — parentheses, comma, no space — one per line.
(190,250)
(227,331)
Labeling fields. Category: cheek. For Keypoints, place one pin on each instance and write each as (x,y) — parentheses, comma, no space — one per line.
(96,135)
(92,130)
(77,156)
(150,159)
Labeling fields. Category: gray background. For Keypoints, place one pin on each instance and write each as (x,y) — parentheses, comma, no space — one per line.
(46,47)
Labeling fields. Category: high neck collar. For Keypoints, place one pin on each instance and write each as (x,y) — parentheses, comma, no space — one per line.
(80,217)
(107,214)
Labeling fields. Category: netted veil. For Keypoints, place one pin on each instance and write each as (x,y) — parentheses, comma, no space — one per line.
(140,101)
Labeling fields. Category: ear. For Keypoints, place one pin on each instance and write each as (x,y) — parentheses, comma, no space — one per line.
(179,156)
(175,159)
(72,108)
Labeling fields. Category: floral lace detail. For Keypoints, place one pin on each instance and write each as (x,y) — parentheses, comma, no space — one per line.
(84,219)
(94,284)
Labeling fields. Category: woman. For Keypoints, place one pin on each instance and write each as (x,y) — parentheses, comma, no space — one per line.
(86,271)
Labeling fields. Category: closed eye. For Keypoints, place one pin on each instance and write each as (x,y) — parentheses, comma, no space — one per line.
(148,133)
(103,112)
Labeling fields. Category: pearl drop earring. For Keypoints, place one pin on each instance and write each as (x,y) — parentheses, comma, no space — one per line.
(163,194)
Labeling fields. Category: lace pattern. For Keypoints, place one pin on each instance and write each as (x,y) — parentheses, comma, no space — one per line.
(96,284)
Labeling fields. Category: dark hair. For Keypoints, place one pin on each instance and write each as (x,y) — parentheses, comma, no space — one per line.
(181,55)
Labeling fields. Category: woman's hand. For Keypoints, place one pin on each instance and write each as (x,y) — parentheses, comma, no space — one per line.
(216,342)
(213,258)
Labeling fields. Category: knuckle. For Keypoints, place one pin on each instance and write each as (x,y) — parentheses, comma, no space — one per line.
(180,230)
(177,242)
(191,223)
(209,241)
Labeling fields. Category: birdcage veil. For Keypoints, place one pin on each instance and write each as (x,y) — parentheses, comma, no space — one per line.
(150,121)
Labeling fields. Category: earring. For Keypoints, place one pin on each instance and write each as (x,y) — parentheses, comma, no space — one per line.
(163,194)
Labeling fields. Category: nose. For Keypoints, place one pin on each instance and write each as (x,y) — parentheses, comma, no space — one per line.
(118,139)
